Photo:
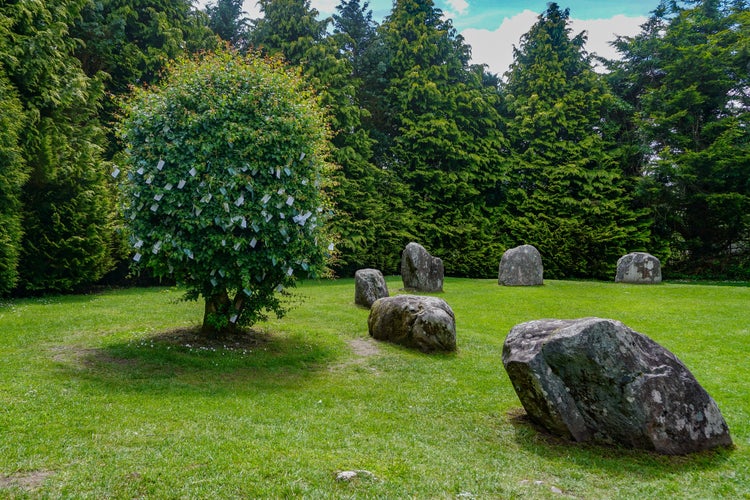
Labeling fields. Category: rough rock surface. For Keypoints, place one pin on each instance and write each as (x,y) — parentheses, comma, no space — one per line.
(521,266)
(420,271)
(426,323)
(597,380)
(639,268)
(369,286)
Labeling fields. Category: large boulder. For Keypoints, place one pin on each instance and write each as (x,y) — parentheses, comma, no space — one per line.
(369,286)
(597,380)
(639,268)
(420,271)
(521,266)
(426,323)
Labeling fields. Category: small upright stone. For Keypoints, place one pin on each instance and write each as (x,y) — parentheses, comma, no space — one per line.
(369,286)
(638,267)
(420,271)
(521,266)
(426,323)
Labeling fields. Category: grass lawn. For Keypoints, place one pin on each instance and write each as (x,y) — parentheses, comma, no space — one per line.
(106,395)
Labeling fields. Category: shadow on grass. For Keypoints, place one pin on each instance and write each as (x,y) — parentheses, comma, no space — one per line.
(180,360)
(610,460)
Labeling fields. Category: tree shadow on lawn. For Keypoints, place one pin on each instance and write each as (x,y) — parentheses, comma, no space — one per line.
(180,359)
(610,460)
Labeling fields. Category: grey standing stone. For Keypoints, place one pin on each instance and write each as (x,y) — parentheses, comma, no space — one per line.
(369,286)
(597,380)
(426,323)
(639,268)
(420,271)
(521,266)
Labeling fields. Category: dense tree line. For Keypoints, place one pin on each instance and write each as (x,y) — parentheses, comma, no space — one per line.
(653,154)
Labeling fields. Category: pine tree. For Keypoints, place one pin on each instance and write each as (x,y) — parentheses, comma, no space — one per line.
(568,195)
(686,77)
(291,28)
(67,209)
(441,137)
(12,176)
(227,20)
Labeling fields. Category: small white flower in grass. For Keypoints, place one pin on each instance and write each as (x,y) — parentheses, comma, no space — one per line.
(206,198)
(140,171)
(222,273)
(198,211)
(289,271)
(290,200)
(240,201)
(237,246)
(181,184)
(243,223)
(226,206)
(149,179)
(278,172)
(157,247)
(331,247)
(137,257)
(115,172)
(247,291)
(168,187)
(302,156)
(304,182)
(265,199)
(253,242)
(233,319)
(214,282)
(279,288)
(160,165)
(154,207)
(138,244)
(193,172)
(158,197)
(287,171)
(269,217)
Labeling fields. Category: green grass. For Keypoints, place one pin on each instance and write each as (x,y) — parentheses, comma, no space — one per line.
(98,402)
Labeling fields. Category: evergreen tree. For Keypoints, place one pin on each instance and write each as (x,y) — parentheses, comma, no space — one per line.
(12,175)
(568,195)
(129,42)
(67,209)
(440,136)
(291,28)
(686,76)
(228,21)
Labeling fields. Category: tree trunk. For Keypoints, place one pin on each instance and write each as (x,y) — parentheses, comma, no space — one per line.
(216,317)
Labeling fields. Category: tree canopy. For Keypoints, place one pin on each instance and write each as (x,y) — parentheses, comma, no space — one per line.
(224,182)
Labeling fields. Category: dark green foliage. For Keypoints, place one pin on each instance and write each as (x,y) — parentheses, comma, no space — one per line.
(131,41)
(224,183)
(686,77)
(226,19)
(12,176)
(67,210)
(440,136)
(567,194)
(364,223)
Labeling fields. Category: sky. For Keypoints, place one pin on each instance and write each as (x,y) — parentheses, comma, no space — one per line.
(493,27)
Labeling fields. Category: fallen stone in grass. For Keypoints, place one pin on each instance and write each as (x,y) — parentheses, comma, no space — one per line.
(425,323)
(369,286)
(597,380)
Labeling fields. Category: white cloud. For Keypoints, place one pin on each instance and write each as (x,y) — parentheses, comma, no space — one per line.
(325,7)
(459,7)
(495,48)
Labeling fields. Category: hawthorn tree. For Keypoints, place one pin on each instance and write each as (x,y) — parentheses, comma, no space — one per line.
(224,182)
